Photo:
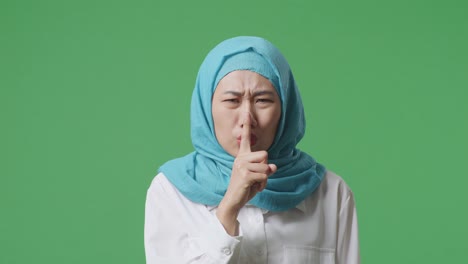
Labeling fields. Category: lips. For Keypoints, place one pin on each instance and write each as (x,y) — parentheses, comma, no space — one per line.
(253,139)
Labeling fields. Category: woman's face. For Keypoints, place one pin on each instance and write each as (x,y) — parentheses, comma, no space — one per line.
(238,93)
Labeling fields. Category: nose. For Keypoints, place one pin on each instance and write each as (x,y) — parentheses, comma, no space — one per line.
(247,109)
(253,120)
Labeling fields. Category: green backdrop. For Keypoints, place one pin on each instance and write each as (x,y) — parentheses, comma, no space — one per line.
(95,97)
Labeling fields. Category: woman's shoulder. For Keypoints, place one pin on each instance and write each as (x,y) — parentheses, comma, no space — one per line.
(160,183)
(159,179)
(162,189)
(332,189)
(333,180)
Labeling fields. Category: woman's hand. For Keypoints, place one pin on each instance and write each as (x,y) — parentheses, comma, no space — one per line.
(249,176)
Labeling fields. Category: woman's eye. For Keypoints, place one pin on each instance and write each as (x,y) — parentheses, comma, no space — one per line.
(232,100)
(264,100)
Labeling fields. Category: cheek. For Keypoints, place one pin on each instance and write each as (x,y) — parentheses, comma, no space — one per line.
(270,119)
(224,122)
(270,123)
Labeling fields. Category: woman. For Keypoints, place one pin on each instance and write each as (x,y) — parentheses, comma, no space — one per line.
(246,194)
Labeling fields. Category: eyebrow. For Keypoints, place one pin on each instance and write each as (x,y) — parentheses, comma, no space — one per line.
(233,93)
(257,93)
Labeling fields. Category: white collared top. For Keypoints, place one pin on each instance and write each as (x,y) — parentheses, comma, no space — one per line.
(321,229)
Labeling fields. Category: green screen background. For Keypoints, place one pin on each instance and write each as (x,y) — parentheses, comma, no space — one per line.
(95,97)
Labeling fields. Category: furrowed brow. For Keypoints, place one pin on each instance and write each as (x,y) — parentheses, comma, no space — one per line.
(235,93)
(258,93)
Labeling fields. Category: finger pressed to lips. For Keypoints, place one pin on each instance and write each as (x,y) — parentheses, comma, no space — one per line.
(253,139)
(245,137)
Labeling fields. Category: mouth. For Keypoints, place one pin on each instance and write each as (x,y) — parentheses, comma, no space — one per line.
(253,139)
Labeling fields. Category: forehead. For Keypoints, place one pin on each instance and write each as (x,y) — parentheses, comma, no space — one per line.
(242,80)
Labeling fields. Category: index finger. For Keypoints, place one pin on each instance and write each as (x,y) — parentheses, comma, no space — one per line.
(245,137)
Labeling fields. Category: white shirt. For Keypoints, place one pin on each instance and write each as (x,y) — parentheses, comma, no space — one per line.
(321,229)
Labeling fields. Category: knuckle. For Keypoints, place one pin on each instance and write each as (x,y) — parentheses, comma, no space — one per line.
(238,164)
(264,154)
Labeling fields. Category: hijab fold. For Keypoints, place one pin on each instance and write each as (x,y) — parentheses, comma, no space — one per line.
(203,175)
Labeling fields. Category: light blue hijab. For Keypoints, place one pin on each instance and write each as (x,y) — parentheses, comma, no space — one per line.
(203,175)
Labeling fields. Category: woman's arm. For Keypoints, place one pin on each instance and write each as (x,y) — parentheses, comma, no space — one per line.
(179,231)
(249,176)
(347,242)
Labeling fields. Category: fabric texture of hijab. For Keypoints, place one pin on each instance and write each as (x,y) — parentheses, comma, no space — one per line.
(203,175)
